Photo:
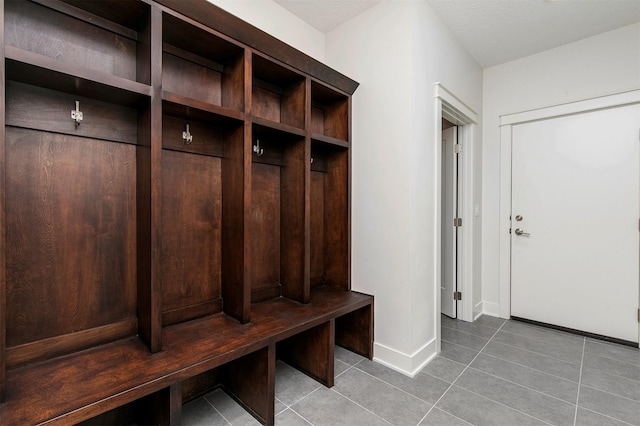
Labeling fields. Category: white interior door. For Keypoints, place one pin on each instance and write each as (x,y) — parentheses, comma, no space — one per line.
(449,232)
(575,206)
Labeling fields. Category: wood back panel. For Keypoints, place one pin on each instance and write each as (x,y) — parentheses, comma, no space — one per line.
(35,28)
(71,234)
(317,228)
(191,237)
(265,231)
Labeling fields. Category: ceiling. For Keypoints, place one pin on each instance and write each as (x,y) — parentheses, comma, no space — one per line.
(494,31)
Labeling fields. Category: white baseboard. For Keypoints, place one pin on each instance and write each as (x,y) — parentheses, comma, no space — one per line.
(477,310)
(491,309)
(409,365)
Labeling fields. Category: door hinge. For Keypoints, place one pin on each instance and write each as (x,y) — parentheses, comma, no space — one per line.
(457,221)
(457,295)
(457,148)
(638,315)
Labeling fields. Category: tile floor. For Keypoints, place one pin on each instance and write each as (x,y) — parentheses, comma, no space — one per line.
(491,372)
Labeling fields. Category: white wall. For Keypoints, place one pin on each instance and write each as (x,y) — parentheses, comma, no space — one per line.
(397,50)
(600,65)
(274,19)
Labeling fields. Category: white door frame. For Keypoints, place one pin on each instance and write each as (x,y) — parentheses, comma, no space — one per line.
(506,124)
(453,109)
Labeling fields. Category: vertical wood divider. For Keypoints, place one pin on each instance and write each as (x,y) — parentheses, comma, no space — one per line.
(3,230)
(149,170)
(236,187)
(307,192)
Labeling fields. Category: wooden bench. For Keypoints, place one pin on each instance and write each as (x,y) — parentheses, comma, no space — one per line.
(214,351)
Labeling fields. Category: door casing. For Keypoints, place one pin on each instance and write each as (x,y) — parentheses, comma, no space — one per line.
(450,107)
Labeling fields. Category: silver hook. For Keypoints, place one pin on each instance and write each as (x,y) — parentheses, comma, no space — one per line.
(311,160)
(256,148)
(76,114)
(186,136)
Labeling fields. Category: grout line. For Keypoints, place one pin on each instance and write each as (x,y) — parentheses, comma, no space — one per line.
(575,416)
(537,353)
(216,408)
(612,394)
(465,369)
(604,415)
(520,385)
(531,368)
(469,331)
(396,387)
(504,405)
(361,406)
(448,413)
(466,332)
(301,416)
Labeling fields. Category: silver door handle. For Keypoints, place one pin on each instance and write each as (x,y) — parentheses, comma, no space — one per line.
(519,231)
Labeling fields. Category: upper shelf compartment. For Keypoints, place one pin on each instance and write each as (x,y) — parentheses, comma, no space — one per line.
(78,45)
(278,93)
(329,115)
(199,65)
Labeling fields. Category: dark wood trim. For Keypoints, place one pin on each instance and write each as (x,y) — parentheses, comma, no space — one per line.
(3,230)
(234,27)
(60,345)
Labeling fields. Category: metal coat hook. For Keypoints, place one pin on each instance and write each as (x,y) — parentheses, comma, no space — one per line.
(186,136)
(311,160)
(256,148)
(76,114)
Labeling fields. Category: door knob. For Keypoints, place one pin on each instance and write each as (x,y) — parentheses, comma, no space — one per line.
(519,231)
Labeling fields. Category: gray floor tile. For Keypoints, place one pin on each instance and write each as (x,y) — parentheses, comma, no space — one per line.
(534,360)
(289,418)
(437,417)
(457,353)
(388,402)
(525,376)
(470,341)
(530,402)
(339,367)
(609,383)
(292,385)
(325,407)
(479,410)
(347,356)
(279,406)
(589,418)
(443,368)
(230,409)
(567,352)
(423,386)
(544,334)
(611,366)
(199,413)
(613,351)
(468,327)
(610,405)
(489,321)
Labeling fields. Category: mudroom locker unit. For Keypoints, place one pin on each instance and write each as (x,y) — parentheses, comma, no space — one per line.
(174,212)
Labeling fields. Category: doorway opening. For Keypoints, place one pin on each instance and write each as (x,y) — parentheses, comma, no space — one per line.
(451,108)
(450,223)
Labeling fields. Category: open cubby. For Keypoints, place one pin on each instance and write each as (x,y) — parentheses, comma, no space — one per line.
(87,35)
(278,93)
(329,214)
(329,112)
(277,215)
(174,212)
(200,65)
(71,223)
